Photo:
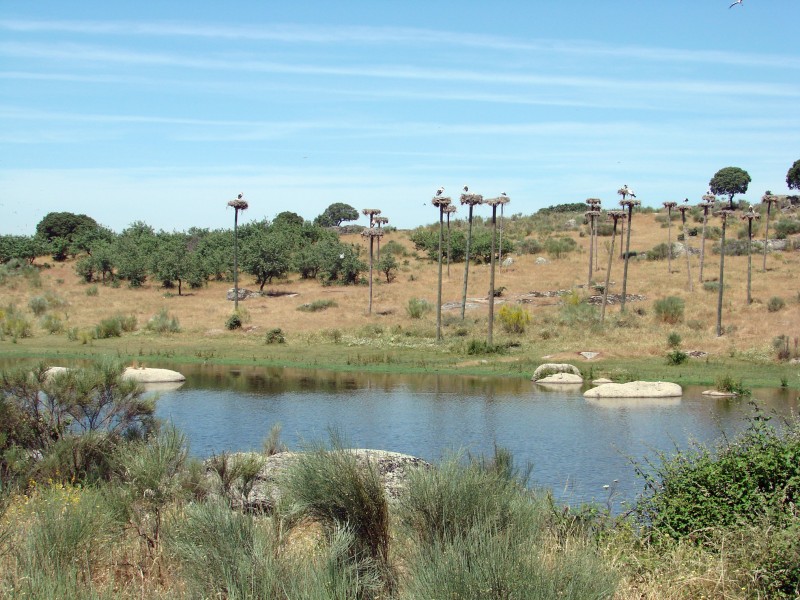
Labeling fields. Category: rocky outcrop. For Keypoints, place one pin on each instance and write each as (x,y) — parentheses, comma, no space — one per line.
(547,369)
(150,375)
(393,468)
(635,389)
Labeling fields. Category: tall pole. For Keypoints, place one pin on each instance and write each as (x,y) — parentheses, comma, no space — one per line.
(724,214)
(379,221)
(616,215)
(627,204)
(707,203)
(372,233)
(683,208)
(238,203)
(449,209)
(592,215)
(470,200)
(493,202)
(669,206)
(441,202)
(750,216)
(769,200)
(503,202)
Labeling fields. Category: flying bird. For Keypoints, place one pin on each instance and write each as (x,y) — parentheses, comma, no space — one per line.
(735,3)
(440,191)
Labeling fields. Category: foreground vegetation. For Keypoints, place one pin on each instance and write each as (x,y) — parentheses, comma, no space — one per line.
(100,501)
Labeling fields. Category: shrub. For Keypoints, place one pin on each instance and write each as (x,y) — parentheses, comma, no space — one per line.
(38,305)
(478,347)
(234,322)
(14,324)
(275,336)
(514,318)
(711,286)
(660,252)
(163,323)
(726,383)
(786,227)
(92,290)
(417,307)
(559,246)
(669,309)
(108,328)
(674,339)
(334,487)
(756,474)
(781,346)
(317,305)
(775,304)
(52,324)
(530,246)
(677,357)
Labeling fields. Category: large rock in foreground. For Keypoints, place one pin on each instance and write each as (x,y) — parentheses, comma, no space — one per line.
(393,469)
(635,389)
(548,369)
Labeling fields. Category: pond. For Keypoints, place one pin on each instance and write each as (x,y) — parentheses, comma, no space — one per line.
(576,446)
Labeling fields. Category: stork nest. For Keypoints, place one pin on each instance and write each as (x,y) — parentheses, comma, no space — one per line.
(617,215)
(592,213)
(593,201)
(497,201)
(471,199)
(450,208)
(629,202)
(670,204)
(372,232)
(370,211)
(441,201)
(750,215)
(710,198)
(381,220)
(238,204)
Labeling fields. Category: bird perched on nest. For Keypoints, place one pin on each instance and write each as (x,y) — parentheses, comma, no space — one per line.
(440,191)
(504,195)
(466,189)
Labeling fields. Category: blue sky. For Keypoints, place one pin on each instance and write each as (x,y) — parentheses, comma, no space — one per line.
(162,112)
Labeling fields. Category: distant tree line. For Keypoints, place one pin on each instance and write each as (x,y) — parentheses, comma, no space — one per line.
(268,250)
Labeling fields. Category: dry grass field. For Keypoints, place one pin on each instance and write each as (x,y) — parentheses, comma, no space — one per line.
(202,313)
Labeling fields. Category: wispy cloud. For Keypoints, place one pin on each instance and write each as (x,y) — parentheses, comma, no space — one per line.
(306,34)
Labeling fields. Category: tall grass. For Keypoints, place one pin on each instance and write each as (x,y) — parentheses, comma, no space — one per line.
(333,487)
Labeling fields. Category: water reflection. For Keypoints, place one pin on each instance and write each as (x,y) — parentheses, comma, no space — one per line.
(576,446)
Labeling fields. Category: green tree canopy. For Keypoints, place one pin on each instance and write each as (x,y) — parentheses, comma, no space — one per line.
(336,214)
(266,255)
(64,229)
(729,182)
(793,176)
(287,219)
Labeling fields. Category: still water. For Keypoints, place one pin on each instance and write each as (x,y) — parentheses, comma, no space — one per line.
(576,446)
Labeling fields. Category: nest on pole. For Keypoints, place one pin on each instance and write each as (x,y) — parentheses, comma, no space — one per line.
(441,201)
(380,221)
(670,205)
(617,215)
(238,203)
(372,232)
(449,209)
(370,212)
(709,198)
(593,201)
(750,215)
(632,202)
(497,201)
(471,199)
(592,213)
(773,198)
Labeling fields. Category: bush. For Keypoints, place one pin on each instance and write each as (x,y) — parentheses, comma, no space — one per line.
(38,305)
(108,328)
(726,383)
(478,347)
(530,246)
(786,227)
(669,309)
(677,357)
(341,492)
(775,304)
(275,336)
(417,307)
(514,318)
(674,339)
(781,346)
(52,324)
(92,290)
(660,252)
(163,323)
(14,324)
(756,474)
(317,305)
(559,246)
(234,322)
